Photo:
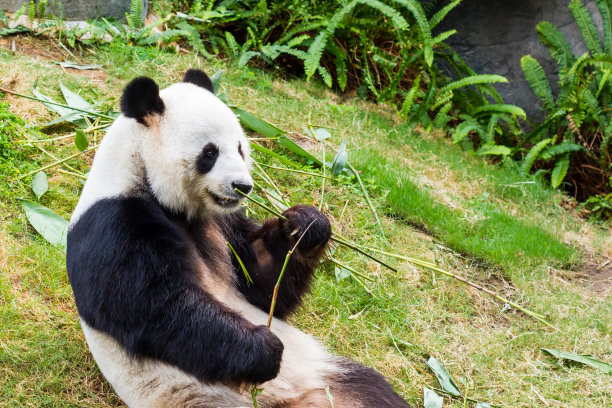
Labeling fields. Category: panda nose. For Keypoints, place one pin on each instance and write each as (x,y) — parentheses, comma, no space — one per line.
(243,188)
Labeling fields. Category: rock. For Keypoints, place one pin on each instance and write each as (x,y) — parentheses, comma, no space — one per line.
(492,36)
(79,9)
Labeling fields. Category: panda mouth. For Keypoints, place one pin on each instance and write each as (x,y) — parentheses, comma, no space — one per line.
(224,201)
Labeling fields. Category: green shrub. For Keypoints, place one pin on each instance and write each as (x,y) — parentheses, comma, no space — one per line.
(574,139)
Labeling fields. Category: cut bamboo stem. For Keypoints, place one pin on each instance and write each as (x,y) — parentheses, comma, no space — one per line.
(282,273)
(93,113)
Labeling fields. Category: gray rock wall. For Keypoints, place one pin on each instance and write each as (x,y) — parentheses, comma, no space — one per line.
(494,35)
(78,9)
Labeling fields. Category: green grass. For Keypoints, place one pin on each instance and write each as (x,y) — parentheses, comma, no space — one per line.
(436,203)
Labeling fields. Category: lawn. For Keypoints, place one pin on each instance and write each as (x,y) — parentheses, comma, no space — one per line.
(487,223)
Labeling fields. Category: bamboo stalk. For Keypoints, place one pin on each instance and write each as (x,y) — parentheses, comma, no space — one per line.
(433,267)
(282,273)
(93,113)
(57,162)
(265,207)
(308,173)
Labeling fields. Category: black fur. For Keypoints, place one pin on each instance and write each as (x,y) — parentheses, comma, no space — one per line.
(133,278)
(133,275)
(263,250)
(365,385)
(207,158)
(199,78)
(140,99)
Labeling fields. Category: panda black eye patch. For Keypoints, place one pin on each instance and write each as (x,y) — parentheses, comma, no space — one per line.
(207,158)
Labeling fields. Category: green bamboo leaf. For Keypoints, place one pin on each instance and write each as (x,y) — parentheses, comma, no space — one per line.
(588,360)
(80,140)
(51,226)
(444,378)
(257,125)
(69,114)
(285,142)
(560,170)
(431,399)
(341,273)
(340,160)
(320,134)
(74,100)
(40,184)
(216,80)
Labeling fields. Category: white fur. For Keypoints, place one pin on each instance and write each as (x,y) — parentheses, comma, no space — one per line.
(129,152)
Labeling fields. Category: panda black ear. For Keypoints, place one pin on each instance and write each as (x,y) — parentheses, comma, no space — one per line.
(140,99)
(199,78)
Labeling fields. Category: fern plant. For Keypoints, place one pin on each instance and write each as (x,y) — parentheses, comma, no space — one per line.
(574,139)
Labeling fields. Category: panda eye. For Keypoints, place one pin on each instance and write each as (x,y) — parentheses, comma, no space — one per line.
(211,153)
(207,158)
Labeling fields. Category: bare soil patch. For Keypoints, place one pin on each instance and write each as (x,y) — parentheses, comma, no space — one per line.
(599,275)
(44,48)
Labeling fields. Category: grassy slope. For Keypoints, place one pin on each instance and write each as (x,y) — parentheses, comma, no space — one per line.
(469,207)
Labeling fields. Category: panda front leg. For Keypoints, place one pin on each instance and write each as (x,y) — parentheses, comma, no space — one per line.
(264,249)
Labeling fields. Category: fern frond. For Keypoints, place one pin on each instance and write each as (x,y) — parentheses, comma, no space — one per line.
(533,154)
(410,97)
(424,28)
(500,108)
(294,42)
(193,37)
(315,51)
(396,17)
(468,125)
(605,9)
(442,117)
(442,97)
(562,148)
(474,80)
(232,44)
(134,18)
(587,26)
(246,56)
(441,14)
(31,11)
(443,36)
(537,81)
(327,79)
(558,46)
(560,170)
(341,73)
(594,109)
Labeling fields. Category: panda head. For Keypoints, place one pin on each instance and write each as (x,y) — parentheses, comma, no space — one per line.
(193,150)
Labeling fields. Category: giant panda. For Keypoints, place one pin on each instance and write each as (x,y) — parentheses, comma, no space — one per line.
(166,310)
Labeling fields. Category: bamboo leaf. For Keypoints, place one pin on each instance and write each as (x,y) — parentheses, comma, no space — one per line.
(74,100)
(340,160)
(40,184)
(588,360)
(341,273)
(51,226)
(257,125)
(444,378)
(80,140)
(290,145)
(431,399)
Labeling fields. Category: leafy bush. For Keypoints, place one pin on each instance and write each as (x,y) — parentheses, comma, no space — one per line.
(574,139)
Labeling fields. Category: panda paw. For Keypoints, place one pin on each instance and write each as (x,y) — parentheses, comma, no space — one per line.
(307,220)
(268,350)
